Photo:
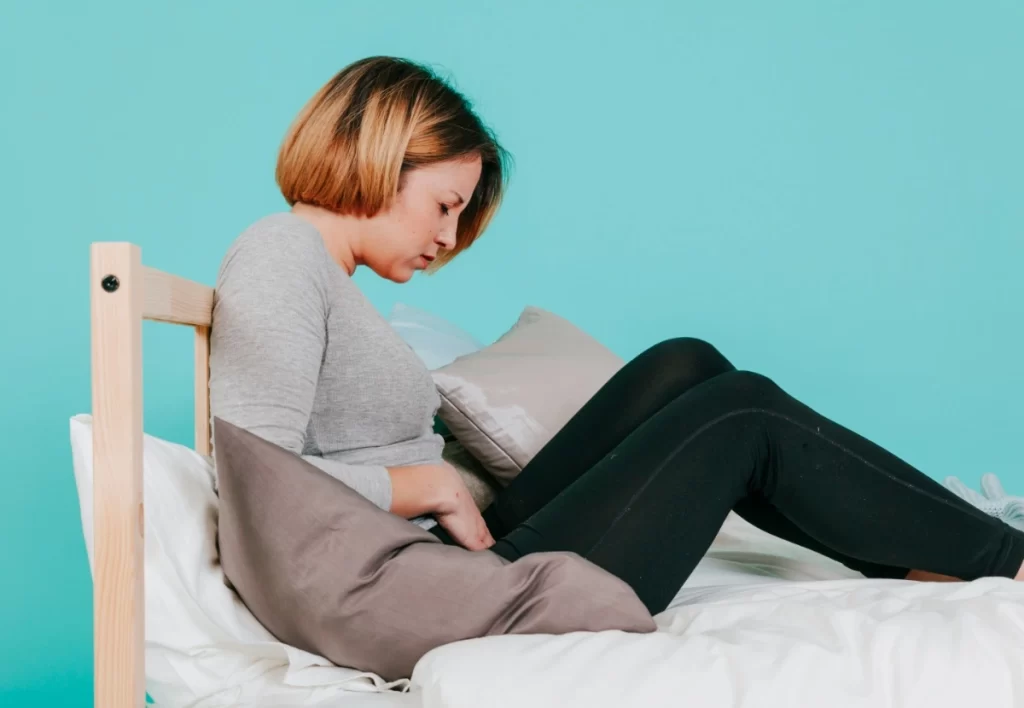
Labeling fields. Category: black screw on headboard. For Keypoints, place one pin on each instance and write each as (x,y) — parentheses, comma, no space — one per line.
(110,283)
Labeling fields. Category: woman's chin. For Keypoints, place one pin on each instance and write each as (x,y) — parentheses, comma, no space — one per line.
(395,272)
(401,274)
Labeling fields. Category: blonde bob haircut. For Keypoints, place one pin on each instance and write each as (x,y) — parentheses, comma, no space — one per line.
(351,146)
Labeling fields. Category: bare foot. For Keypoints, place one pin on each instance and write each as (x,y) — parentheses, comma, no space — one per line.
(925,576)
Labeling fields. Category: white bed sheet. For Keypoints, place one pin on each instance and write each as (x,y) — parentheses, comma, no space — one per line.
(763,623)
(760,623)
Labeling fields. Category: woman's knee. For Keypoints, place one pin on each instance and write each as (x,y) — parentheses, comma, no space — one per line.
(751,389)
(685,357)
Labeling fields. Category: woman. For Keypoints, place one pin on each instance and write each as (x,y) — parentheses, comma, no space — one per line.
(388,167)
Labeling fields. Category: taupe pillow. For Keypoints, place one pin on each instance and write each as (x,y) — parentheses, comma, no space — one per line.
(507,400)
(327,571)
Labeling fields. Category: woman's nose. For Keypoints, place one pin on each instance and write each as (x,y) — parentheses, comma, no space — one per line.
(446,239)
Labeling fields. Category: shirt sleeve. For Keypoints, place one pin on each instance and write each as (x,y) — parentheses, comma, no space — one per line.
(267,343)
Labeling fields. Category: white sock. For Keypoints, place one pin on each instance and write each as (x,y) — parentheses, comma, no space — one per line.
(993,499)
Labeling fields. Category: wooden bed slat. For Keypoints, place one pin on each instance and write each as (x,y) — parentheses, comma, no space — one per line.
(169,298)
(116,304)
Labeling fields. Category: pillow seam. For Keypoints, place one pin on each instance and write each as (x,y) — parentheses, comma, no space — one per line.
(479,430)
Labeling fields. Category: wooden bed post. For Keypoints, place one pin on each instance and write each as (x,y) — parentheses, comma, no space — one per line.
(116,300)
(123,293)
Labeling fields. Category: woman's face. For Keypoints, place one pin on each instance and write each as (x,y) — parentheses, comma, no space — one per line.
(422,220)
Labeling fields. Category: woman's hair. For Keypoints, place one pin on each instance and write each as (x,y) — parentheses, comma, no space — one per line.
(351,145)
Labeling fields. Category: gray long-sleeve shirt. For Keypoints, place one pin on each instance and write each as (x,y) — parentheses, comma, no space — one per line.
(300,357)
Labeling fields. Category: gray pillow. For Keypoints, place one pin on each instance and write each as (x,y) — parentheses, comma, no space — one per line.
(327,571)
(507,400)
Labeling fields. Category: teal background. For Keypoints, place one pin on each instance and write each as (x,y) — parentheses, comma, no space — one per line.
(830,192)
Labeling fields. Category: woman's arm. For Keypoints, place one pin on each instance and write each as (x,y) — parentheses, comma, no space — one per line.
(418,490)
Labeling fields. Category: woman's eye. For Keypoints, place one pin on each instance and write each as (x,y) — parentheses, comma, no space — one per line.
(444,209)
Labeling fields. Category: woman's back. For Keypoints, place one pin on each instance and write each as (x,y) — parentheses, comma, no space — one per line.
(300,357)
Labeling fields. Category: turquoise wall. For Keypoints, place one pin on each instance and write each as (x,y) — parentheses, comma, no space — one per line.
(830,192)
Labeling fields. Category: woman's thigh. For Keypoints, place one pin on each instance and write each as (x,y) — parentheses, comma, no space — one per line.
(651,528)
(641,388)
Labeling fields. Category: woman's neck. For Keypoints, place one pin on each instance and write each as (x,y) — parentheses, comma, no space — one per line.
(339,232)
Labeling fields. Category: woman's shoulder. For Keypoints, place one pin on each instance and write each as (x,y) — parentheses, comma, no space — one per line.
(279,256)
(280,242)
(281,234)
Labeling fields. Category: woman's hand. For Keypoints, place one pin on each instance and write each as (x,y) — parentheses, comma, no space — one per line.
(439,490)
(460,517)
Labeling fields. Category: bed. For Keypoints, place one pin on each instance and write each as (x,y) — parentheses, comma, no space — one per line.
(761,622)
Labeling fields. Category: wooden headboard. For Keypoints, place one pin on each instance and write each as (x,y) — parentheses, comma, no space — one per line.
(123,293)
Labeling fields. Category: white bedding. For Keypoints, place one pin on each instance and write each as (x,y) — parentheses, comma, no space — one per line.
(761,622)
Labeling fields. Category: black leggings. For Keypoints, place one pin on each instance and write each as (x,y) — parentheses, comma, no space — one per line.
(642,478)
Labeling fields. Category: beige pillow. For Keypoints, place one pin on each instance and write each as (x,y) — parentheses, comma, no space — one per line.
(327,571)
(507,400)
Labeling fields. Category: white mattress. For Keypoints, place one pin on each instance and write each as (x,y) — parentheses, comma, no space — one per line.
(760,623)
(736,638)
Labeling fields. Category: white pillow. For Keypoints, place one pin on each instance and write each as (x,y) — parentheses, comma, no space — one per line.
(436,341)
(203,646)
